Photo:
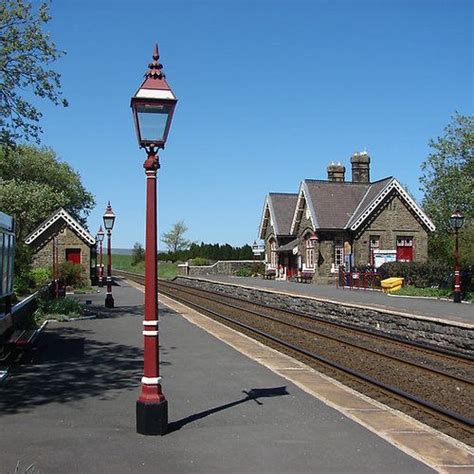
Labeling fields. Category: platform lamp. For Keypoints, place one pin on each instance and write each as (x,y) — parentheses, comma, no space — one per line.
(109,221)
(100,239)
(152,107)
(456,221)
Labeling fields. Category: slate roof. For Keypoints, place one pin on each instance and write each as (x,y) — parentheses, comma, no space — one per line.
(336,203)
(282,207)
(288,247)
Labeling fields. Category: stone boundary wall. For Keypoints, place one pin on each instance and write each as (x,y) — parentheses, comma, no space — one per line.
(454,337)
(222,267)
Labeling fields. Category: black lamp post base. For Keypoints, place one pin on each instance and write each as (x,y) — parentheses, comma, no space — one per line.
(457,297)
(109,301)
(152,418)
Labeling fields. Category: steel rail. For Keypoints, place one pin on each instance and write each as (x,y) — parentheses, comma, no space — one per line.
(365,331)
(337,339)
(358,375)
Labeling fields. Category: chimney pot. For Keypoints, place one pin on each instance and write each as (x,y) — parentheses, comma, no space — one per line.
(360,162)
(336,172)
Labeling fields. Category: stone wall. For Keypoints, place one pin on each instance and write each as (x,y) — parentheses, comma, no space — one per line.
(393,219)
(67,239)
(420,330)
(222,267)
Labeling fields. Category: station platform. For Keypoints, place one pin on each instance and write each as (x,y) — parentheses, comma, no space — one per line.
(235,406)
(443,310)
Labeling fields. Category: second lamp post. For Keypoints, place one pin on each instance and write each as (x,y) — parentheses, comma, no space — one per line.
(100,239)
(457,220)
(109,220)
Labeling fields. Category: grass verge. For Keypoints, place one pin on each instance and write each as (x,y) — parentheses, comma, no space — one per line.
(166,270)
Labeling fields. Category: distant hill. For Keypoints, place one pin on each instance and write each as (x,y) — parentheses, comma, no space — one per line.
(122,251)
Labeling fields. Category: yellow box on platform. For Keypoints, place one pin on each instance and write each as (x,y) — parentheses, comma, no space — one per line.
(391,284)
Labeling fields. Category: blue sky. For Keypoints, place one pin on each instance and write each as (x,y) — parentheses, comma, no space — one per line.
(269,93)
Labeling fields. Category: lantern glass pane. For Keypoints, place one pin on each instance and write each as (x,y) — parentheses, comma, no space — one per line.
(152,121)
(109,222)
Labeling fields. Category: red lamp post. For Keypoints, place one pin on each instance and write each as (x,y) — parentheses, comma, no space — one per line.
(100,239)
(457,220)
(109,220)
(152,106)
(56,266)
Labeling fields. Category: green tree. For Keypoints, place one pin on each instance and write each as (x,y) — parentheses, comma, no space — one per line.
(448,184)
(26,52)
(34,184)
(174,239)
(138,253)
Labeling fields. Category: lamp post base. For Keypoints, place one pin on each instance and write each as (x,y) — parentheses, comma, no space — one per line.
(152,418)
(457,297)
(109,301)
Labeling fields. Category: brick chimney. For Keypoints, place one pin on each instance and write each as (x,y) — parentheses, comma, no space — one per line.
(360,167)
(336,172)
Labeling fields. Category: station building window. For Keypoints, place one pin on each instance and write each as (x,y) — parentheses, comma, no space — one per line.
(338,253)
(309,244)
(404,249)
(374,244)
(273,254)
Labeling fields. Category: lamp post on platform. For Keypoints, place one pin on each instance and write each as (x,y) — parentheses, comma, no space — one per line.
(109,221)
(100,239)
(456,221)
(152,106)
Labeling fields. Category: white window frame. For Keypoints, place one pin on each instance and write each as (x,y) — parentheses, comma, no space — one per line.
(273,254)
(338,249)
(310,254)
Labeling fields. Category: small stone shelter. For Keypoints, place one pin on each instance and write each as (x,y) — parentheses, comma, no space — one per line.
(75,243)
(337,223)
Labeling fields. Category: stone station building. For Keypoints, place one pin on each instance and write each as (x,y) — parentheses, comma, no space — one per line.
(333,223)
(75,244)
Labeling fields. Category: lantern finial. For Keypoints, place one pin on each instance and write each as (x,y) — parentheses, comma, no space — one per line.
(154,68)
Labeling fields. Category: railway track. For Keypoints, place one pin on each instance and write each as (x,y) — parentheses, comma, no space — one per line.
(432,386)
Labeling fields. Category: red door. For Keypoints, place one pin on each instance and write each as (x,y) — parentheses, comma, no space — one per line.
(73,255)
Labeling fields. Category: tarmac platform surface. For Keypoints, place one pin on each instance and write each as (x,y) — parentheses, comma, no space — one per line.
(444,310)
(72,408)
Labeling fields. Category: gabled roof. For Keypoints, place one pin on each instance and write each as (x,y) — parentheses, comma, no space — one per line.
(70,222)
(279,209)
(375,198)
(342,205)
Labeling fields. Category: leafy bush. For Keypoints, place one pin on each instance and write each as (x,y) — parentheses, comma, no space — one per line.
(244,272)
(40,276)
(23,284)
(71,274)
(61,309)
(426,275)
(199,261)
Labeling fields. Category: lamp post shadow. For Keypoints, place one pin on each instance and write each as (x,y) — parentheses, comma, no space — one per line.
(253,394)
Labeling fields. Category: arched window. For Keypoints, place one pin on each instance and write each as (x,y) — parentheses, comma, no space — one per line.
(309,244)
(273,253)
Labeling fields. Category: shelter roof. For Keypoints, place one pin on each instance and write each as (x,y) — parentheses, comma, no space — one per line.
(69,221)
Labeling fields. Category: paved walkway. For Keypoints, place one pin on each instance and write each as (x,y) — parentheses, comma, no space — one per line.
(432,308)
(72,409)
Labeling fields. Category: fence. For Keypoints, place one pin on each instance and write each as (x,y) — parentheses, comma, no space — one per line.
(358,280)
